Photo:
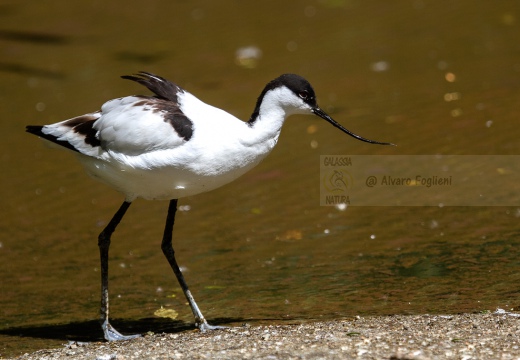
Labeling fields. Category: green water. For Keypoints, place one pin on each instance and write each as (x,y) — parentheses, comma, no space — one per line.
(434,77)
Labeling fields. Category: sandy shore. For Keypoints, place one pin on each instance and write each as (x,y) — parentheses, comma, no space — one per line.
(465,336)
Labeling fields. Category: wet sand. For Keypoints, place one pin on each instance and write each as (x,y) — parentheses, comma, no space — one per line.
(464,336)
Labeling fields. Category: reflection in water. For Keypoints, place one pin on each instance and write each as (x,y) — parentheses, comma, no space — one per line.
(30,71)
(141,58)
(34,37)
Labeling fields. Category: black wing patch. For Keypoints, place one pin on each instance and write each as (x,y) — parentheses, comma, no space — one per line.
(180,122)
(84,125)
(171,113)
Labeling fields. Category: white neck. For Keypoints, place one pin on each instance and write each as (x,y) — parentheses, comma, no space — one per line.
(277,104)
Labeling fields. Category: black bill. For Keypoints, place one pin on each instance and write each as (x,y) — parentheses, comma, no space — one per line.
(324,116)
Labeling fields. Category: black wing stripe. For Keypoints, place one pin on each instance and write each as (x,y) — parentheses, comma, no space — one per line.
(37,130)
(161,87)
(82,125)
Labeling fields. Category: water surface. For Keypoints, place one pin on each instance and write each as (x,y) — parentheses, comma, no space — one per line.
(433,77)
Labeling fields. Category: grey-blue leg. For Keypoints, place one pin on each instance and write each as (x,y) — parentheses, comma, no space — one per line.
(111,334)
(168,251)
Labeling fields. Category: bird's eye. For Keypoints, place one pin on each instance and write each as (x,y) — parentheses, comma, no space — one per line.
(304,94)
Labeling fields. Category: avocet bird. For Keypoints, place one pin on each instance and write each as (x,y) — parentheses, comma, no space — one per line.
(172,145)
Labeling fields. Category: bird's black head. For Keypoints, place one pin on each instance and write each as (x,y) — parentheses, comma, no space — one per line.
(295,83)
(298,85)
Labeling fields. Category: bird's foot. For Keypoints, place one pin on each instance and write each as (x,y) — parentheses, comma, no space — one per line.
(112,334)
(204,326)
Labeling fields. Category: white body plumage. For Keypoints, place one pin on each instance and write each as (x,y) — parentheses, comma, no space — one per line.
(141,154)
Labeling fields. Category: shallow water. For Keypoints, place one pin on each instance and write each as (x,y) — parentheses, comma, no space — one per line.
(432,77)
